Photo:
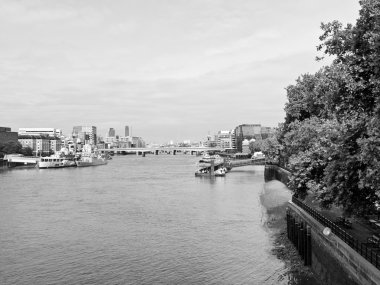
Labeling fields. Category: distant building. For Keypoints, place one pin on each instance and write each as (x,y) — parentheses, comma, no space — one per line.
(126,131)
(6,135)
(249,132)
(85,134)
(55,144)
(40,144)
(226,139)
(41,140)
(110,139)
(111,132)
(210,141)
(125,142)
(137,142)
(51,132)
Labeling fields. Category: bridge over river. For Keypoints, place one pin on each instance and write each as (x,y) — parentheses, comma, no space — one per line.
(158,150)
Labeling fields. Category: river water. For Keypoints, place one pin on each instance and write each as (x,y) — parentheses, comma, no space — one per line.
(137,220)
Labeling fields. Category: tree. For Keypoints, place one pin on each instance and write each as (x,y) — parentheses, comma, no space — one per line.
(27,151)
(331,132)
(308,145)
(10,147)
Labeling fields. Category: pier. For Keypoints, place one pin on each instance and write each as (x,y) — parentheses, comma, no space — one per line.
(11,160)
(244,162)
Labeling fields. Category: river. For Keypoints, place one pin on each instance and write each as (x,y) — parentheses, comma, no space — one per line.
(137,220)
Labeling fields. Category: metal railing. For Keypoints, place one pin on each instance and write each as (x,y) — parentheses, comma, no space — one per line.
(369,251)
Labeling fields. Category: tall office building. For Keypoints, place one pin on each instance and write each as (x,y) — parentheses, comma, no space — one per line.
(126,131)
(112,133)
(247,132)
(251,131)
(86,134)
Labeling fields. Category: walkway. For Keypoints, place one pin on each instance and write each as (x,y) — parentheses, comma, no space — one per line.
(361,228)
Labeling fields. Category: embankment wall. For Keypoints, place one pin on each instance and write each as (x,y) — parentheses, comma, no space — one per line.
(332,260)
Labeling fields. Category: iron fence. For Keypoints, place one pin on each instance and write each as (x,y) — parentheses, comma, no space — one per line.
(369,251)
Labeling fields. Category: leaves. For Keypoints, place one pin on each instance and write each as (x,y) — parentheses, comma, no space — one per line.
(331,132)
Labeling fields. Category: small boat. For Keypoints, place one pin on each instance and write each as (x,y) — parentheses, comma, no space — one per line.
(205,169)
(220,172)
(208,158)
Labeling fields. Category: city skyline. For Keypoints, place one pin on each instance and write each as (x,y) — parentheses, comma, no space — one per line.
(173,70)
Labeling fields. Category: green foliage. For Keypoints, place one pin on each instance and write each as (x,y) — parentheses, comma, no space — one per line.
(14,147)
(308,144)
(27,151)
(269,147)
(331,132)
(10,147)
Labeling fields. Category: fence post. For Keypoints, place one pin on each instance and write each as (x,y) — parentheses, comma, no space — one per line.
(296,234)
(308,246)
(300,240)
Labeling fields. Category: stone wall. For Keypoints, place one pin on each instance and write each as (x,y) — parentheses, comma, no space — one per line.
(274,172)
(332,260)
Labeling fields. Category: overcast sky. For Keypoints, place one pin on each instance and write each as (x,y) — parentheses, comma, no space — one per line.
(171,69)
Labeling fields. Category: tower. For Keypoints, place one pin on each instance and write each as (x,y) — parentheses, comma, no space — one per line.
(111,132)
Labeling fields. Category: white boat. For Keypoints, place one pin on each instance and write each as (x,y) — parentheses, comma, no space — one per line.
(55,162)
(208,158)
(220,172)
(91,160)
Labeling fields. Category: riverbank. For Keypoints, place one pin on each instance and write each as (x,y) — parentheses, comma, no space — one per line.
(274,198)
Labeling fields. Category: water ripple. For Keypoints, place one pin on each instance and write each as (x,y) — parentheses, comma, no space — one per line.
(135,221)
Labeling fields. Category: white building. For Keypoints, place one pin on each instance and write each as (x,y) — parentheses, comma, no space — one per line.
(226,139)
(51,132)
(86,134)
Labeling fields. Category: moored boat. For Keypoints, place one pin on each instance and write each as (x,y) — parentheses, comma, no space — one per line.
(91,160)
(211,169)
(55,162)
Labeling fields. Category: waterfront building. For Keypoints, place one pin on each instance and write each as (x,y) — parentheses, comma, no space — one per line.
(137,142)
(6,135)
(55,144)
(110,140)
(210,141)
(85,134)
(226,139)
(126,134)
(40,144)
(248,132)
(51,132)
(125,142)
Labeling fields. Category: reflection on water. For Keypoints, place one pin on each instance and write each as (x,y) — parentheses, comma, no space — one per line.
(135,221)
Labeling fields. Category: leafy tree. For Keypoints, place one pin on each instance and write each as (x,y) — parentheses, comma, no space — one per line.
(14,147)
(331,132)
(269,147)
(10,147)
(27,151)
(308,144)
